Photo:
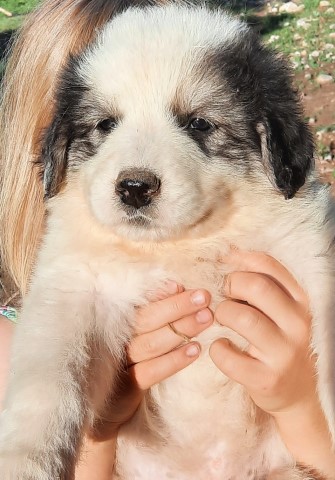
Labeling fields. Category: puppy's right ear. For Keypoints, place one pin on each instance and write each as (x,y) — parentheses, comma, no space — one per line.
(54,156)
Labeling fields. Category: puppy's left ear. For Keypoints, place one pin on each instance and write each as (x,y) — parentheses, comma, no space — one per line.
(54,156)
(287,149)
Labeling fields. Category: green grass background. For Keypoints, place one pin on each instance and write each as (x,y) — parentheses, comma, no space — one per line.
(18,8)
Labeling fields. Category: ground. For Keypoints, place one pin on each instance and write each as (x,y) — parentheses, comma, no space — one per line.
(305,31)
(319,103)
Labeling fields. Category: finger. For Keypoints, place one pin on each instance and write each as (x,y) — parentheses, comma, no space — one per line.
(169,288)
(263,293)
(158,342)
(148,373)
(262,263)
(235,364)
(155,315)
(260,331)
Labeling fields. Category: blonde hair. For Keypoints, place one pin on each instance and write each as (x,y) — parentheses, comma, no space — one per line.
(53,31)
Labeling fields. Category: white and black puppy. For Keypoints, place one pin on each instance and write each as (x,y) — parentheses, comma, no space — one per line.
(176,135)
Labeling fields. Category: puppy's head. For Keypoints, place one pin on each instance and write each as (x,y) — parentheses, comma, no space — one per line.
(170,112)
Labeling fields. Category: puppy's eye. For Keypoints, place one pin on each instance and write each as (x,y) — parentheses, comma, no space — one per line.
(107,125)
(200,124)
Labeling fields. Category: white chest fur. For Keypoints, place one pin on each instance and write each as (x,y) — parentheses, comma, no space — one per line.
(197,424)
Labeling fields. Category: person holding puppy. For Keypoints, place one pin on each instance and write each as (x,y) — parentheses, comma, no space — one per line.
(264,303)
(267,307)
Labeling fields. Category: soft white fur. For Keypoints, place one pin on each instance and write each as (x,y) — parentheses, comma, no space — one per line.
(94,267)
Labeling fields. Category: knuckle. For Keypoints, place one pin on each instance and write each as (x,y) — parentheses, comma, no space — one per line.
(132,352)
(260,262)
(249,318)
(143,318)
(223,310)
(149,347)
(176,360)
(260,285)
(176,309)
(272,383)
(145,378)
(265,260)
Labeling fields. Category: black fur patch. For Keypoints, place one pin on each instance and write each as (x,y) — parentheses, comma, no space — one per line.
(259,81)
(72,129)
(72,137)
(252,87)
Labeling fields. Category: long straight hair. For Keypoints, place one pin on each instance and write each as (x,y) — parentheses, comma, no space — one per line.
(56,29)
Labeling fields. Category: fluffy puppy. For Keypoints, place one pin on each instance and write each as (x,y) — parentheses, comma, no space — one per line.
(175,135)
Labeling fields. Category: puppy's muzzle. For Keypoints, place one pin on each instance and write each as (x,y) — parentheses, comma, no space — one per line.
(136,187)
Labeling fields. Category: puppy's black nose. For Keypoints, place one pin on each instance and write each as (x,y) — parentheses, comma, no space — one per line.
(136,187)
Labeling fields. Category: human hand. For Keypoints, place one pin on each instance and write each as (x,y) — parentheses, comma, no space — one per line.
(277,368)
(156,352)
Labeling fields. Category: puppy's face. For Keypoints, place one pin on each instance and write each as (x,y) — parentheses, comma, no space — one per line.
(167,116)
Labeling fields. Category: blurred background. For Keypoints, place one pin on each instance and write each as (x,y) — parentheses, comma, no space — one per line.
(304,30)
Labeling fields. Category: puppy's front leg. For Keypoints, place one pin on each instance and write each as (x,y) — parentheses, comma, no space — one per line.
(46,404)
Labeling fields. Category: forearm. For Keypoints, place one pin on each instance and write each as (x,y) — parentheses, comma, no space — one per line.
(6,333)
(96,460)
(306,435)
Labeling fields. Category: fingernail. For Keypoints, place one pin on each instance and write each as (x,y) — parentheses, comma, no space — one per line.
(193,350)
(172,287)
(204,316)
(198,298)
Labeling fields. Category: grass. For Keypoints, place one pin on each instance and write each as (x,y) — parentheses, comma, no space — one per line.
(301,34)
(18,8)
(10,23)
(298,35)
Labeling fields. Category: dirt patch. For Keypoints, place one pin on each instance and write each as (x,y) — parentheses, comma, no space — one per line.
(319,105)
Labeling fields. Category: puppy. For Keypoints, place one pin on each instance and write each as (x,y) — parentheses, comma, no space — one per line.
(176,134)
